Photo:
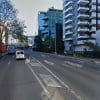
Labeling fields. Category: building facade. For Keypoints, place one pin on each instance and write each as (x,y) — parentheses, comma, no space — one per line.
(80,21)
(47,22)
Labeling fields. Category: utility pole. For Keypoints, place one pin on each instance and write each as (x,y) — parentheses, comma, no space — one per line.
(55,43)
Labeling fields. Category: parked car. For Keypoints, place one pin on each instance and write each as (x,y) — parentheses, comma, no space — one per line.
(20,54)
(11,50)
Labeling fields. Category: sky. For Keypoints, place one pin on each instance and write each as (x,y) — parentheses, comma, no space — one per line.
(28,11)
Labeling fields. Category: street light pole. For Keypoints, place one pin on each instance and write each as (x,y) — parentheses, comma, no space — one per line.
(55,43)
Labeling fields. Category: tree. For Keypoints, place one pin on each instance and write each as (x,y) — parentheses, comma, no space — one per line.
(8,13)
(38,43)
(59,44)
(48,44)
(18,30)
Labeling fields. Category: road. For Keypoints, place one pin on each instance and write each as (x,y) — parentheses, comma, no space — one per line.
(44,76)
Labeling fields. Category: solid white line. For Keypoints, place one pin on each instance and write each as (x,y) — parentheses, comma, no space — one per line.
(41,84)
(63,83)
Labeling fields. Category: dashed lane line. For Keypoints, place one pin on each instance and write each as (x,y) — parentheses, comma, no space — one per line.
(9,62)
(73,64)
(48,62)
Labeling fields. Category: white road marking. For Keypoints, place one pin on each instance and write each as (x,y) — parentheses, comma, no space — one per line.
(81,61)
(73,64)
(49,80)
(41,84)
(9,62)
(97,62)
(27,61)
(63,83)
(35,64)
(48,62)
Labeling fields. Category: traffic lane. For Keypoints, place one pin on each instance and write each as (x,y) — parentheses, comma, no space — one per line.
(87,63)
(77,79)
(18,83)
(82,66)
(5,61)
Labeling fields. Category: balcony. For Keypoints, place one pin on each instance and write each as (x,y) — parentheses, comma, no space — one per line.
(45,18)
(83,41)
(82,37)
(68,27)
(68,21)
(83,16)
(68,33)
(83,2)
(45,32)
(68,4)
(83,30)
(83,23)
(69,9)
(69,39)
(45,25)
(69,15)
(83,9)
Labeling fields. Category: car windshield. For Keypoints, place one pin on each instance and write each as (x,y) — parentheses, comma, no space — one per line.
(49,49)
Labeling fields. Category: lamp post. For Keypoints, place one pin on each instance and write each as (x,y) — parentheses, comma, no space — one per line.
(96,14)
(55,43)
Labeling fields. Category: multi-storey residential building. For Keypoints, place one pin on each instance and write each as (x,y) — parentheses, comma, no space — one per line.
(47,22)
(80,20)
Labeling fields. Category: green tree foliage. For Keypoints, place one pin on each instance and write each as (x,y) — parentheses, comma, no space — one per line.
(18,30)
(48,44)
(8,14)
(59,44)
(38,43)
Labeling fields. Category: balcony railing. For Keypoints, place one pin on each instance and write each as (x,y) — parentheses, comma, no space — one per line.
(69,33)
(83,23)
(45,25)
(69,15)
(83,15)
(68,21)
(69,3)
(68,9)
(45,18)
(83,2)
(83,30)
(69,39)
(68,27)
(83,9)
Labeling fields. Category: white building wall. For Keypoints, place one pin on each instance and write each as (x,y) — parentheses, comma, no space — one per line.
(97,35)
(82,48)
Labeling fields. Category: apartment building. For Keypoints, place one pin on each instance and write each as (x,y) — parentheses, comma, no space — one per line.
(80,21)
(47,22)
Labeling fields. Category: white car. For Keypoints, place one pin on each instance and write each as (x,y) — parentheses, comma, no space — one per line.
(20,54)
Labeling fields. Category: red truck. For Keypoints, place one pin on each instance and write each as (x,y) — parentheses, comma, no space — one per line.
(2,48)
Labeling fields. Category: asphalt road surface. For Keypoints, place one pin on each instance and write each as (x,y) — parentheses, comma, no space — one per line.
(43,76)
